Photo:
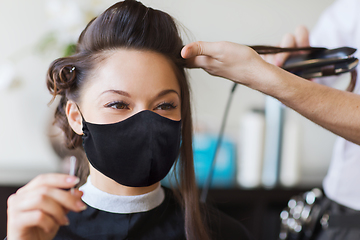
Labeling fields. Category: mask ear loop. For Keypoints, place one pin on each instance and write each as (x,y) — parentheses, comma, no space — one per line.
(82,116)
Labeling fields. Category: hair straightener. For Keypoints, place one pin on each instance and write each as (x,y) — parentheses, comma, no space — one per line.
(314,62)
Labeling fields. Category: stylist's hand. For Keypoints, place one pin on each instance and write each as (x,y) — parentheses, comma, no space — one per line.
(37,210)
(236,62)
(299,39)
(233,61)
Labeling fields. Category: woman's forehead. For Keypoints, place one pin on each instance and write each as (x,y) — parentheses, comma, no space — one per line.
(134,71)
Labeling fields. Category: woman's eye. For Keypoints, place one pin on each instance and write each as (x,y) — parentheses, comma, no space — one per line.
(166,106)
(118,105)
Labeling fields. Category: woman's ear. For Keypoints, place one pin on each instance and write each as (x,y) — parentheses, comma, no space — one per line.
(74,117)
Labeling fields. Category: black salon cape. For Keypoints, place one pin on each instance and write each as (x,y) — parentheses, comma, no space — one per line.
(163,222)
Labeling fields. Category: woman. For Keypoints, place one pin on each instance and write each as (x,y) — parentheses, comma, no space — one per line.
(125,99)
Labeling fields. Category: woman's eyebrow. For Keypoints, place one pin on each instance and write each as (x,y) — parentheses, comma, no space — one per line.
(117,92)
(167,91)
(120,92)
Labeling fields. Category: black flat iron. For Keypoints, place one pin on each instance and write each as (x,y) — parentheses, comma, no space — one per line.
(315,62)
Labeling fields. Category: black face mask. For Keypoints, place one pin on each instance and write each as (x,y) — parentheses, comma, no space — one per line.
(136,152)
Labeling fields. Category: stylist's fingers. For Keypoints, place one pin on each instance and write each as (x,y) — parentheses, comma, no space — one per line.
(211,49)
(207,63)
(52,197)
(37,218)
(302,36)
(55,180)
(288,41)
(229,60)
(53,185)
(43,203)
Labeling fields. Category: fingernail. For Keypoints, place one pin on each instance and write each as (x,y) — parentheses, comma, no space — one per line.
(189,52)
(66,220)
(81,205)
(79,193)
(74,180)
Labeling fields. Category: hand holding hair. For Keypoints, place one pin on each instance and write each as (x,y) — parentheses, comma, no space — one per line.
(37,210)
(225,59)
(332,109)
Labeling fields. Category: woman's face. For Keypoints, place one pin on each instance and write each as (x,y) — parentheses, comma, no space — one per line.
(127,82)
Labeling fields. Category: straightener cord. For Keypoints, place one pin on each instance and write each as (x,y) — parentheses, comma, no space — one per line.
(207,183)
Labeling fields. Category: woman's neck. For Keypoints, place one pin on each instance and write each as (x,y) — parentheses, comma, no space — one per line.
(106,184)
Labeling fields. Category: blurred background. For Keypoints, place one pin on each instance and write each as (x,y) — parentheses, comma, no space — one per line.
(34,33)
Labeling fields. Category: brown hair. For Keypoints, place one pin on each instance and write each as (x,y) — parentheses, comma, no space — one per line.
(129,24)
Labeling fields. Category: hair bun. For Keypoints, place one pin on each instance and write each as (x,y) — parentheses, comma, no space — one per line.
(61,77)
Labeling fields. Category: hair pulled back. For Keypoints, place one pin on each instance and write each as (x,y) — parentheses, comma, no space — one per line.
(131,25)
(127,24)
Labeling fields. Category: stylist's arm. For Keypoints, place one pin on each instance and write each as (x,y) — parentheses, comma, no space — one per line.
(37,210)
(335,110)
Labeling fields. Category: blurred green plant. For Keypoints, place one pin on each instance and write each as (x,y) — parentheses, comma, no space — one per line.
(67,18)
(70,50)
(50,43)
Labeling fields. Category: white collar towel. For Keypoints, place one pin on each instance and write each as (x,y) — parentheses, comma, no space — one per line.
(98,199)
